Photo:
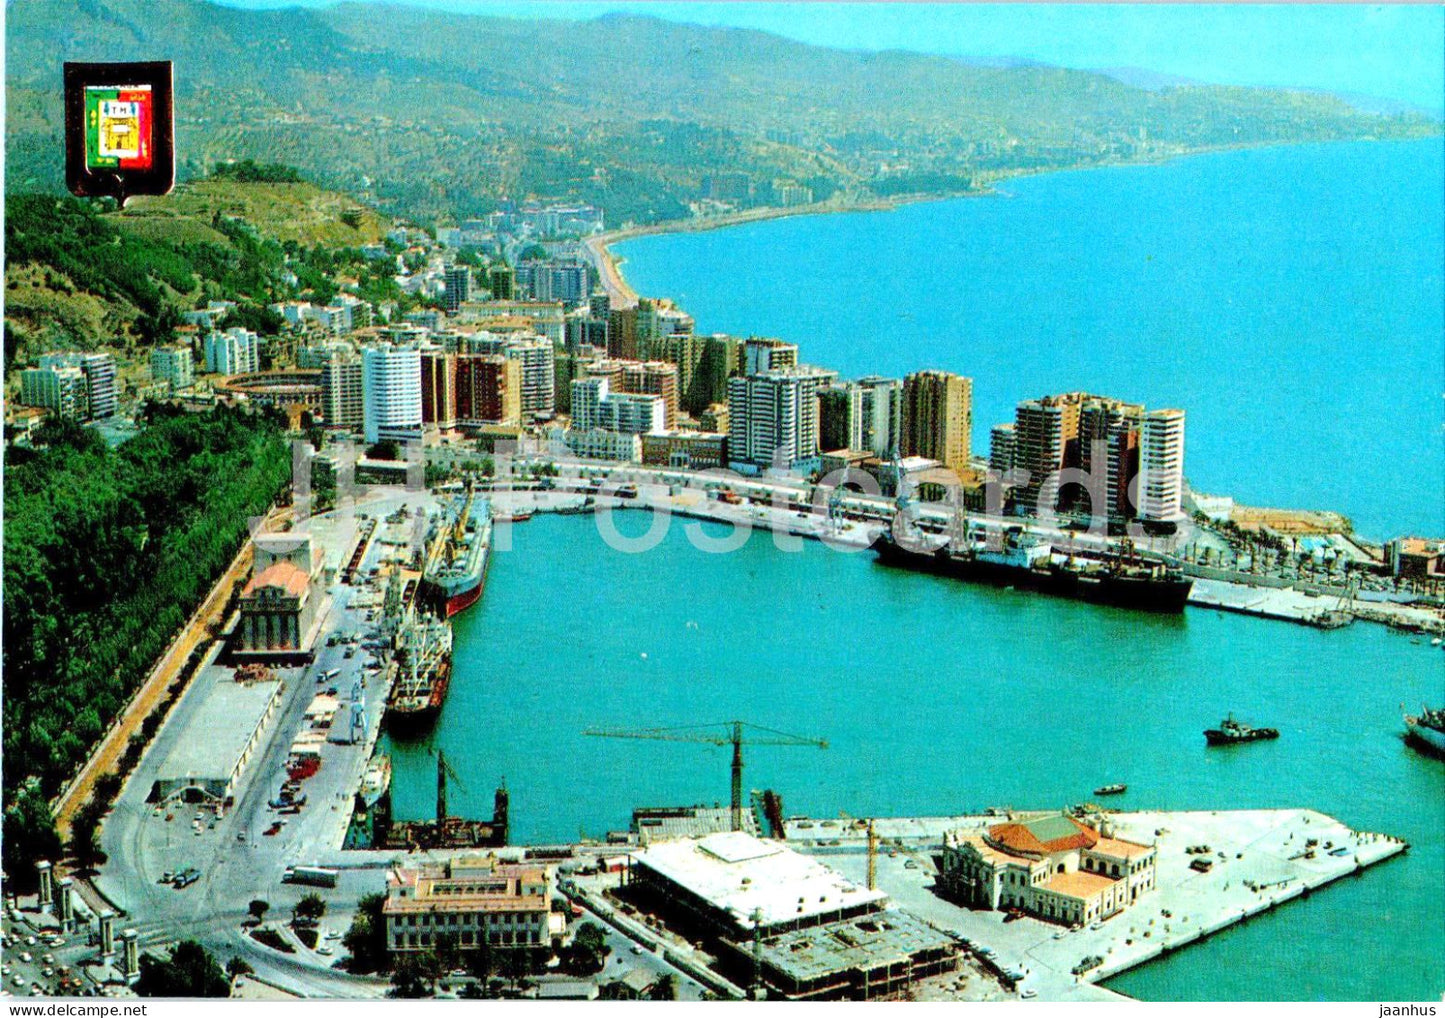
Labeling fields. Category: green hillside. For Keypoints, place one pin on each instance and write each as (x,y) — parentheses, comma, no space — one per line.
(426,112)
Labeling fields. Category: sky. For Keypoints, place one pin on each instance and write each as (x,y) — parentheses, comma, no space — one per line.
(1394,52)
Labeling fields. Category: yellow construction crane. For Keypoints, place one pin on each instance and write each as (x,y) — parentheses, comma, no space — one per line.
(721,733)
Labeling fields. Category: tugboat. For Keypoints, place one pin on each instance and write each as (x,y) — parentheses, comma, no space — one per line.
(1426,730)
(1010,558)
(424,672)
(1231,731)
(1115,789)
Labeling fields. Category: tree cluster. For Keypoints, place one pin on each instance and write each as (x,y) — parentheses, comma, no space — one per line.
(106,554)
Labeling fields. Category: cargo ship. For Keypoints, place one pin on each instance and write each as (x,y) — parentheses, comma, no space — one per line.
(424,672)
(1010,558)
(1231,731)
(456,569)
(1426,730)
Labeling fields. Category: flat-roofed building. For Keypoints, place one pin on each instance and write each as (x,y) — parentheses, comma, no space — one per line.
(1161,466)
(489,390)
(691,450)
(733,883)
(439,389)
(218,741)
(342,395)
(773,419)
(1416,558)
(173,366)
(938,417)
(817,934)
(474,899)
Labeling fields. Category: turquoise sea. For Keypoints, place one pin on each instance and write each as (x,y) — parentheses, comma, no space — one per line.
(1289,299)
(941,697)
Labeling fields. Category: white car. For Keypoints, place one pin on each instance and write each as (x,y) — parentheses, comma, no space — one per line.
(325,949)
(1028,994)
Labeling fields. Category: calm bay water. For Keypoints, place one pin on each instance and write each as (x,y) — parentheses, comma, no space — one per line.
(1290,299)
(940,697)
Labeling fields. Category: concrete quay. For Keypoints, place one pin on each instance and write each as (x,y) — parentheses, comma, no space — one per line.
(1259,863)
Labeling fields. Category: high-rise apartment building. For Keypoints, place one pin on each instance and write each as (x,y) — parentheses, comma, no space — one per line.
(439,389)
(489,390)
(882,415)
(60,389)
(653,378)
(391,385)
(1161,466)
(343,401)
(173,366)
(840,417)
(938,417)
(459,286)
(1046,434)
(773,419)
(502,281)
(233,352)
(761,355)
(100,384)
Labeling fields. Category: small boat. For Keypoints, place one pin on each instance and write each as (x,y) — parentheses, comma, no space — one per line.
(520,516)
(1115,789)
(1231,731)
(1426,730)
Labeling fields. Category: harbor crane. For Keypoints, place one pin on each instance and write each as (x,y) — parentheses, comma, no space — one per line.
(720,733)
(444,770)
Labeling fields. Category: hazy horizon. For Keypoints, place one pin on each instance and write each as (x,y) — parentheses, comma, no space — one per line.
(1390,53)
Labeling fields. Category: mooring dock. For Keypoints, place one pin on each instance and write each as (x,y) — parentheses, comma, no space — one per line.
(1260,859)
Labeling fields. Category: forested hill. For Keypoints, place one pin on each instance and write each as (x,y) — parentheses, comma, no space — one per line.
(76,278)
(436,112)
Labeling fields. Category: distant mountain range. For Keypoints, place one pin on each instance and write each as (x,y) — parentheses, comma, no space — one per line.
(424,112)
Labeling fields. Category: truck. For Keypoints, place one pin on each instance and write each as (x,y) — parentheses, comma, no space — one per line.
(187,877)
(315,876)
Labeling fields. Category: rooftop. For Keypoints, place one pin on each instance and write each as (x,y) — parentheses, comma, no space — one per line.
(743,876)
(286,575)
(218,732)
(1121,849)
(1078,884)
(1043,835)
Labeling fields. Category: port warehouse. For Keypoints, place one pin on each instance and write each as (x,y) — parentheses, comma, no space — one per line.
(811,933)
(219,739)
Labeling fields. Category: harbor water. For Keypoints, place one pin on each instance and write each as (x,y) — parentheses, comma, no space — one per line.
(1289,299)
(939,697)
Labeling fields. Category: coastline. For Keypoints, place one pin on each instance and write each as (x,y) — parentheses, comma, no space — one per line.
(622,294)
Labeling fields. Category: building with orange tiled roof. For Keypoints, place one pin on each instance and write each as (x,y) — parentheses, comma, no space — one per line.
(1050,866)
(279,602)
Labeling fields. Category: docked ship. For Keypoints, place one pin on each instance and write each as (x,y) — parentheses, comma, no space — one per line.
(1427,730)
(424,671)
(1010,558)
(1231,731)
(457,559)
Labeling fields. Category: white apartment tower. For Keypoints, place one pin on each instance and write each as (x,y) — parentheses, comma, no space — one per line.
(1161,466)
(391,388)
(773,418)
